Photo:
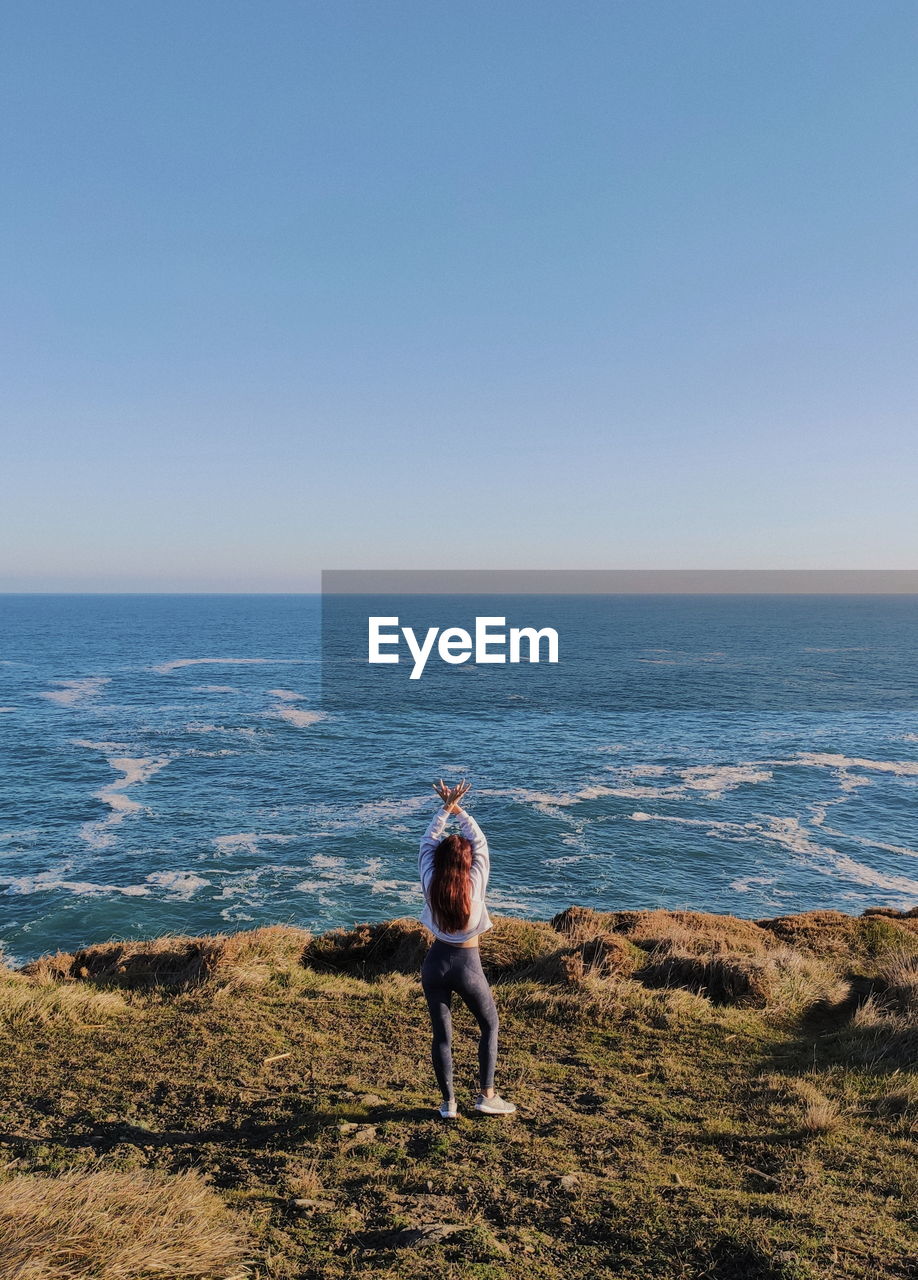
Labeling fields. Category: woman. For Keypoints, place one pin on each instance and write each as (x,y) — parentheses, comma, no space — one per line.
(454,875)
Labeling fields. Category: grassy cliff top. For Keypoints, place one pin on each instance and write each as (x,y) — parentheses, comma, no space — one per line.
(699,1096)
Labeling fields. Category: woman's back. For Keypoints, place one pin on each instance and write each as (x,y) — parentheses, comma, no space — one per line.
(478,921)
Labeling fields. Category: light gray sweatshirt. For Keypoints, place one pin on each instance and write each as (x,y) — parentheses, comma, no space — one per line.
(479,920)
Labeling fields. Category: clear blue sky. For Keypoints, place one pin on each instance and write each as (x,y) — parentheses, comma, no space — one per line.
(598,285)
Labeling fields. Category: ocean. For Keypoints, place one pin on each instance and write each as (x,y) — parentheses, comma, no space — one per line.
(169,764)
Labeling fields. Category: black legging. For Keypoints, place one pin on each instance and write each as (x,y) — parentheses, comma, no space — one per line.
(448,968)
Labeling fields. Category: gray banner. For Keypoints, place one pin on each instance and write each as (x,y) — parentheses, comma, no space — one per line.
(620,582)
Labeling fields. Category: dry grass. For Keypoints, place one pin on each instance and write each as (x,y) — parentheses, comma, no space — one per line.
(114,1225)
(870,1014)
(859,941)
(898,979)
(820,1114)
(512,948)
(604,957)
(683,931)
(394,946)
(892,1006)
(168,961)
(26,1002)
(900,1100)
(604,1000)
(782,980)
(303,1179)
(814,1112)
(250,956)
(879,1036)
(517,947)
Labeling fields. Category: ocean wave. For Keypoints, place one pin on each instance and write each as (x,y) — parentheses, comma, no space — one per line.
(847,648)
(177,885)
(181,884)
(830,760)
(711,824)
(5,709)
(49,881)
(860,873)
(376,811)
(503,902)
(324,860)
(330,875)
(134,770)
(25,834)
(214,688)
(542,801)
(286,695)
(659,782)
(198,726)
(747,883)
(712,780)
(245,884)
(866,841)
(248,842)
(791,834)
(297,716)
(73,692)
(683,657)
(337,873)
(312,886)
(338,820)
(175,664)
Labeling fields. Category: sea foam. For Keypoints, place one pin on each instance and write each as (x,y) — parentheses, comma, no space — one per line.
(134,770)
(73,692)
(297,716)
(791,834)
(181,884)
(247,842)
(164,668)
(49,881)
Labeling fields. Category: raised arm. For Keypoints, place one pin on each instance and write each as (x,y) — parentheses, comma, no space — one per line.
(481,858)
(429,841)
(481,862)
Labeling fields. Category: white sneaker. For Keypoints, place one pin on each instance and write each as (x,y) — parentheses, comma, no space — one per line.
(449,1110)
(494,1106)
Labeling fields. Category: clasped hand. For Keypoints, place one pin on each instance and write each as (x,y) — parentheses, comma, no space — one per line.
(451,795)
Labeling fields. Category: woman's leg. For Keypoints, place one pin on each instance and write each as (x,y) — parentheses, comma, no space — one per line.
(439,998)
(472,986)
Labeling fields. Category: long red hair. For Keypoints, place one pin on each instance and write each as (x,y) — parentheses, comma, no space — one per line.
(451,884)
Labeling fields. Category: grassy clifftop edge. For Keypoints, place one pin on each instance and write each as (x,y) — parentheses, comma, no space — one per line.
(699,1095)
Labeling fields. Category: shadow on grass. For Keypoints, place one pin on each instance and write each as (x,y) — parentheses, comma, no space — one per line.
(840,1034)
(293,1128)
